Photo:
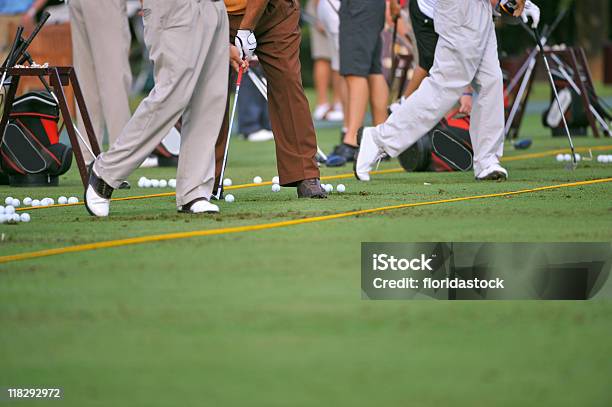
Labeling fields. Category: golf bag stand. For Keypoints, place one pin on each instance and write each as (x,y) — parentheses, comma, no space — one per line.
(58,78)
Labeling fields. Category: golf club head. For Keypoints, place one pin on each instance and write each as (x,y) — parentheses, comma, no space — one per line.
(573,164)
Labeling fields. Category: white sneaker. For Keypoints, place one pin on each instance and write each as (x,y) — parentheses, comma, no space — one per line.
(368,155)
(260,135)
(494,172)
(320,112)
(336,114)
(97,195)
(199,206)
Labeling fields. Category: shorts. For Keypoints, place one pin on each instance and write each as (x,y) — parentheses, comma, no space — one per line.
(361,24)
(425,34)
(327,13)
(319,43)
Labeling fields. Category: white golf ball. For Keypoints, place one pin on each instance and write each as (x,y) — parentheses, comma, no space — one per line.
(330,188)
(578,157)
(340,188)
(567,157)
(163,183)
(35,202)
(599,157)
(560,157)
(276,180)
(227,182)
(604,159)
(25,217)
(257,180)
(62,200)
(141,182)
(147,183)
(44,202)
(50,201)
(73,200)
(276,188)
(8,200)
(16,203)
(9,210)
(27,201)
(1,210)
(229,198)
(155,183)
(15,218)
(172,183)
(3,218)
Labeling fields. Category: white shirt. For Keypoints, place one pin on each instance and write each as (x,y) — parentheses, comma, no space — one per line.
(427,7)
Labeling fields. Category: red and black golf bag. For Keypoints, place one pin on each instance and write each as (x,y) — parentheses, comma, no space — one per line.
(31,154)
(447,147)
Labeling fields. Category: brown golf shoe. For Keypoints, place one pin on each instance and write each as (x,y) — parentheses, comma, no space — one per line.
(311,188)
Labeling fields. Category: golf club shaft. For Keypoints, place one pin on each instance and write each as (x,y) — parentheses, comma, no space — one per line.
(556,94)
(229,133)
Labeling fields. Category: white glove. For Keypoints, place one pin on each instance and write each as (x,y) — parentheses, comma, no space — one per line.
(246,43)
(533,11)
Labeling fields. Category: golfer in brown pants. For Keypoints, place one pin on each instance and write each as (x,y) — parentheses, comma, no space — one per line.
(270,29)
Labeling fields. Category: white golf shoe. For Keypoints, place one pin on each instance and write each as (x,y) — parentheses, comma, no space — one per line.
(494,172)
(368,156)
(199,205)
(97,195)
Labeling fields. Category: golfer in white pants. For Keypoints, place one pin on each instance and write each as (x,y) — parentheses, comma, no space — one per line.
(466,54)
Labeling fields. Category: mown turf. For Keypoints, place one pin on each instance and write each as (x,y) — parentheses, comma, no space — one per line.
(275,318)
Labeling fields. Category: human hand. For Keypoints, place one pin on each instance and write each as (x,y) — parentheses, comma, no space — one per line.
(235,60)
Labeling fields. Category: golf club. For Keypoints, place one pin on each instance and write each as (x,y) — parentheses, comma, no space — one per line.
(229,133)
(574,162)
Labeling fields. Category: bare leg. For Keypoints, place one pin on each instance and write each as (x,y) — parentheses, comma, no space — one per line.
(341,95)
(417,77)
(322,78)
(379,97)
(357,103)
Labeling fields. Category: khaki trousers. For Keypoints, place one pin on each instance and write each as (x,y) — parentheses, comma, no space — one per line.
(278,49)
(187,40)
(101,46)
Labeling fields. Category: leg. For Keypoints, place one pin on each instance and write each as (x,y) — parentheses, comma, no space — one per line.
(357,87)
(279,37)
(322,78)
(487,124)
(416,80)
(109,39)
(83,61)
(379,96)
(204,114)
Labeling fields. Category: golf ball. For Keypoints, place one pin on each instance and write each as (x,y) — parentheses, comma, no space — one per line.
(227,182)
(16,203)
(50,201)
(172,183)
(35,202)
(599,157)
(276,180)
(141,182)
(9,210)
(276,188)
(163,183)
(62,200)
(1,210)
(27,201)
(229,198)
(560,157)
(604,159)
(578,157)
(8,200)
(3,218)
(340,188)
(25,217)
(567,157)
(15,218)
(147,183)
(155,183)
(257,180)
(73,200)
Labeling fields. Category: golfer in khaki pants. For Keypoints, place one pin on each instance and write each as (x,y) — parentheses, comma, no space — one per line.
(188,43)
(101,45)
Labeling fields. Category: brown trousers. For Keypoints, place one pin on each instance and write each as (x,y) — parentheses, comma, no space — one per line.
(278,49)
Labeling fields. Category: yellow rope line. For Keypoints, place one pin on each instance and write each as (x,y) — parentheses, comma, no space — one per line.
(265,226)
(325,178)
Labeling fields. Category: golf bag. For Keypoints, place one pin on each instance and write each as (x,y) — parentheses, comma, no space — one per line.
(573,107)
(446,148)
(31,154)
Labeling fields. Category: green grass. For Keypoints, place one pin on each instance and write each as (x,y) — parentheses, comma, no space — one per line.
(275,318)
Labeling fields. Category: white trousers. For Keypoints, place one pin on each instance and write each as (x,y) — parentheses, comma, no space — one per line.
(466,54)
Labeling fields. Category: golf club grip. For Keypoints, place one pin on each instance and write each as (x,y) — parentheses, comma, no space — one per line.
(43,19)
(9,57)
(240,74)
